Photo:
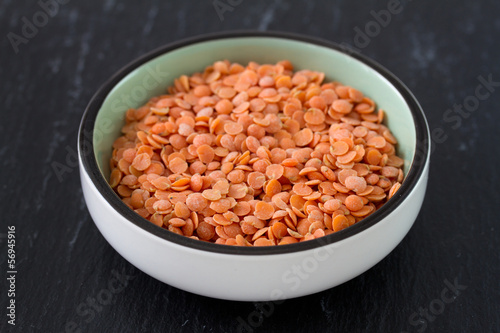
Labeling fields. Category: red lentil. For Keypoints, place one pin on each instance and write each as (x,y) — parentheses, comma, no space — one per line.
(256,156)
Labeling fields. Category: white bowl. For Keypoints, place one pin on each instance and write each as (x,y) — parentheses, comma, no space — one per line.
(241,273)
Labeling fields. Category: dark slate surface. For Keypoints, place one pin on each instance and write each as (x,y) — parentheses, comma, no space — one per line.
(438,48)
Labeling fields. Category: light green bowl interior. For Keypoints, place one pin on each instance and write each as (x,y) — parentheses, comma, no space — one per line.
(137,87)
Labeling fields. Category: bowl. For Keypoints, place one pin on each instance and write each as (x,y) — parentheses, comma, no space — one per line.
(251,273)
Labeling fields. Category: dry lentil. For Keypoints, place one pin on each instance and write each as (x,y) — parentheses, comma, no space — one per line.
(255,156)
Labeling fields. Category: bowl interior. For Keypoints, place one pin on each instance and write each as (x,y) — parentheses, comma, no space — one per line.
(154,76)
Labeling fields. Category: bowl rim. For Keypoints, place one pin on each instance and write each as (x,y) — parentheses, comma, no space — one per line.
(87,155)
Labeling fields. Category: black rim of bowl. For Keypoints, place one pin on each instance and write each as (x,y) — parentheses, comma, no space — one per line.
(86,151)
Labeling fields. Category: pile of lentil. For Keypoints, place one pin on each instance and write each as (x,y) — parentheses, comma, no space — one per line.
(255,156)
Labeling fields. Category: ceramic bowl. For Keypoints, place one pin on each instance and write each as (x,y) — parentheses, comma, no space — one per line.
(247,273)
